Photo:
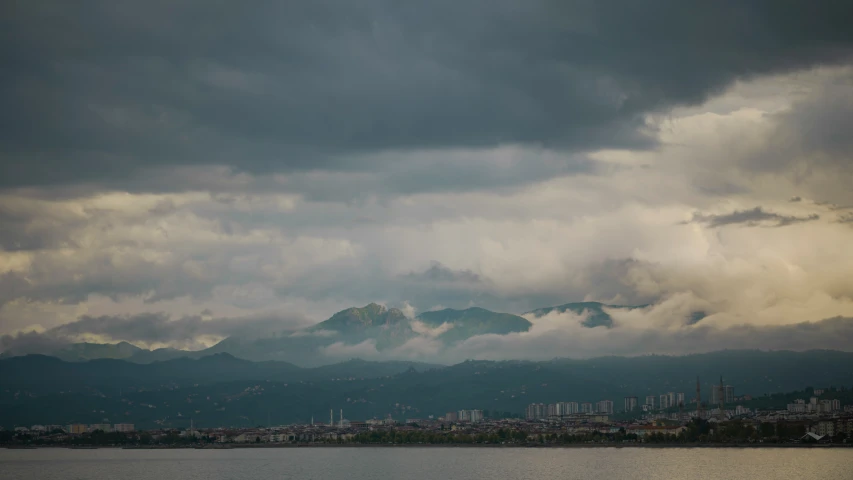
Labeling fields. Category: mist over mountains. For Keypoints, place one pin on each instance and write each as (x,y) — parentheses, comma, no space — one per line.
(372,331)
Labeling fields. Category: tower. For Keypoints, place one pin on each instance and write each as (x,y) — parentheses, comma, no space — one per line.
(698,399)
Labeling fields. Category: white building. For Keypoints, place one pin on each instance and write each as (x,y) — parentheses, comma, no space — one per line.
(604,406)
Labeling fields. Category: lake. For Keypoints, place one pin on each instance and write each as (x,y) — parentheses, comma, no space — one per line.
(429,463)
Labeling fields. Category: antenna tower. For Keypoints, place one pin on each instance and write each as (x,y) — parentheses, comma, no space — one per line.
(699,411)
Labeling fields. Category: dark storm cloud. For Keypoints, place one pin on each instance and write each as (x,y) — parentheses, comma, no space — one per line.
(755,217)
(98,92)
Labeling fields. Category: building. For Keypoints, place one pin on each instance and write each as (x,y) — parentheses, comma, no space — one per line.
(450,417)
(818,391)
(630,404)
(536,411)
(679,398)
(552,410)
(670,398)
(664,402)
(741,410)
(836,405)
(825,427)
(470,415)
(727,394)
(123,427)
(604,407)
(586,407)
(650,401)
(77,428)
(573,408)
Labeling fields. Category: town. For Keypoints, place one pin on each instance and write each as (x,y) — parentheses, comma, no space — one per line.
(821,419)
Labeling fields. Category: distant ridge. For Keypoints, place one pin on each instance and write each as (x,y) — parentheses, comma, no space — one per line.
(373,325)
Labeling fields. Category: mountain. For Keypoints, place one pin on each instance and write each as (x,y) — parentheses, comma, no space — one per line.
(388,327)
(384,328)
(88,351)
(370,330)
(221,390)
(77,352)
(473,321)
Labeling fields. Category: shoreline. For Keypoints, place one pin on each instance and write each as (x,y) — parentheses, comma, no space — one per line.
(448,445)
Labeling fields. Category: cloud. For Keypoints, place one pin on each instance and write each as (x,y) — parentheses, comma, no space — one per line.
(755,217)
(845,218)
(577,342)
(430,332)
(438,273)
(291,161)
(106,93)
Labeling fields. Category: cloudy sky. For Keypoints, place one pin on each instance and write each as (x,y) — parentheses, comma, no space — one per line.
(172,173)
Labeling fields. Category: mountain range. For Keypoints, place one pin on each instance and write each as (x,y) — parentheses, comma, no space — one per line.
(222,390)
(373,325)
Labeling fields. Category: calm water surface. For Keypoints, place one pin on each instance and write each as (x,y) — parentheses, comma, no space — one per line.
(427,463)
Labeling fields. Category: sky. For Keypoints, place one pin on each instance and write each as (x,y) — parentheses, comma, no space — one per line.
(174,173)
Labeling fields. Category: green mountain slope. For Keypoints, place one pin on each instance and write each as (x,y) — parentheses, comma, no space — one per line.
(224,391)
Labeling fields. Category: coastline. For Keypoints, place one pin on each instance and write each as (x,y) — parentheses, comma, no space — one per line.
(447,445)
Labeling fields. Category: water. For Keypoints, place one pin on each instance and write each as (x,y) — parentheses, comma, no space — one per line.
(428,463)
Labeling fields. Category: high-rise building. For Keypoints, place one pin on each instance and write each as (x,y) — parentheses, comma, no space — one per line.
(573,408)
(476,416)
(552,409)
(604,406)
(670,399)
(536,411)
(664,402)
(679,398)
(586,407)
(452,416)
(630,404)
(727,394)
(650,400)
